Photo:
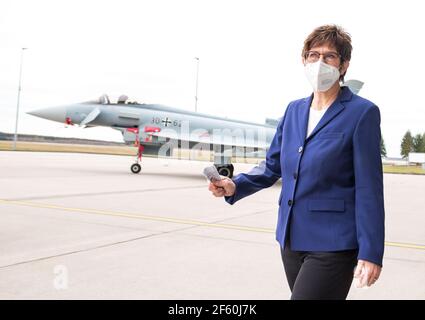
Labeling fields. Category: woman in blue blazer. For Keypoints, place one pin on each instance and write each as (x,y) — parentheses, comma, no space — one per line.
(327,151)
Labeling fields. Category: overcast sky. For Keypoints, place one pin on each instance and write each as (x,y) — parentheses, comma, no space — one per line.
(250,65)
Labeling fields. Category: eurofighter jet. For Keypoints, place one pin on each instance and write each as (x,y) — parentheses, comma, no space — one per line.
(157,129)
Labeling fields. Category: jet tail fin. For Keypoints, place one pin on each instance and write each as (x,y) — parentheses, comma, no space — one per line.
(354,85)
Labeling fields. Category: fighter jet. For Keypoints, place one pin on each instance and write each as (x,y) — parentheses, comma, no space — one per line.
(157,129)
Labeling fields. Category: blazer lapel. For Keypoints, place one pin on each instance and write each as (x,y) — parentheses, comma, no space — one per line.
(330,113)
(303,114)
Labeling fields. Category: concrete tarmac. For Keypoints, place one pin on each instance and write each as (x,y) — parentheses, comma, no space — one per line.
(82,226)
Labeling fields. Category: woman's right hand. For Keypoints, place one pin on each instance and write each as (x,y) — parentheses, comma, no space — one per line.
(223,187)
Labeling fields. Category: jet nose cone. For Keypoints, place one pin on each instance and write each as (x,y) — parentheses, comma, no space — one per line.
(51,113)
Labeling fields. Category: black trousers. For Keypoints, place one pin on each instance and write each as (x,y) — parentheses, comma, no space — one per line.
(319,275)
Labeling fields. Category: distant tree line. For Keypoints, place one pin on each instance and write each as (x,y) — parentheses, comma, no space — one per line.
(412,144)
(408,144)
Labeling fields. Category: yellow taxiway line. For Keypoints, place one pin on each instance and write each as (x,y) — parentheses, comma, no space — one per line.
(172,220)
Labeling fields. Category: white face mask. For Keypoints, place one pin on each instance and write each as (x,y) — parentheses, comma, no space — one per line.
(321,76)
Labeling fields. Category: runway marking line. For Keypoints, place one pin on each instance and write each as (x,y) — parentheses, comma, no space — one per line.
(174,220)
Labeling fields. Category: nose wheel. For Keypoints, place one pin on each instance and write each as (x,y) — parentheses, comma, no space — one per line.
(136,168)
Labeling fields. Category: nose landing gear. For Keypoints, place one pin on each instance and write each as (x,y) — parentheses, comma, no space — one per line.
(136,167)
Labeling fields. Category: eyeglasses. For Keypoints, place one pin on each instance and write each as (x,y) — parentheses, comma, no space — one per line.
(328,57)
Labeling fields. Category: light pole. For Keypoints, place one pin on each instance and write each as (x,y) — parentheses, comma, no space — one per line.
(15,138)
(196,90)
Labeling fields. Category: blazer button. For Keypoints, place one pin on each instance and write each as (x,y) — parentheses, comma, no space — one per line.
(290,202)
(295,175)
(300,149)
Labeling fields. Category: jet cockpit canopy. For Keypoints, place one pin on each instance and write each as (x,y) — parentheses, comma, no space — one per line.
(104,99)
(122,99)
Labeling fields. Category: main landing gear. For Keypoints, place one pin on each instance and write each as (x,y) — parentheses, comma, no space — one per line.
(222,159)
(225,169)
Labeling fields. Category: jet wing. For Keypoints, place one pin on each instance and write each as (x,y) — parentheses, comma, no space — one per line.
(206,138)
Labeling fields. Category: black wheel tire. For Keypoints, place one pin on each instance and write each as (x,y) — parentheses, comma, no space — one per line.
(225,171)
(231,170)
(135,168)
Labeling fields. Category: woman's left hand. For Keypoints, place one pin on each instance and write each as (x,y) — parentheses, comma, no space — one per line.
(367,273)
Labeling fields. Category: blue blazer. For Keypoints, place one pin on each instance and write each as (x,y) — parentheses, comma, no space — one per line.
(332,189)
